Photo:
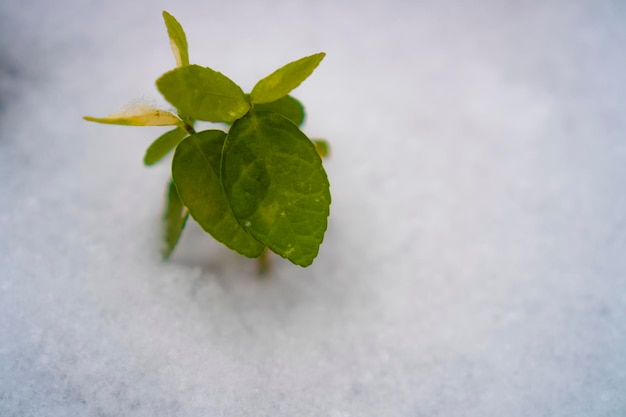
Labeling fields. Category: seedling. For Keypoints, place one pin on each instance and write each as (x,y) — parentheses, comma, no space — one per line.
(258,184)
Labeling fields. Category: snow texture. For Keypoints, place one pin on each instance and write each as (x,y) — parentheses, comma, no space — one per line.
(474,263)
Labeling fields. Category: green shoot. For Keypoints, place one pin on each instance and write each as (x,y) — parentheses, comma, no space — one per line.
(257,186)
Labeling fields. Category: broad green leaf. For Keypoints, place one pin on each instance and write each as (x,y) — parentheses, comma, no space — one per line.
(163,145)
(203,94)
(288,106)
(322,147)
(279,83)
(178,40)
(195,171)
(276,185)
(139,114)
(174,220)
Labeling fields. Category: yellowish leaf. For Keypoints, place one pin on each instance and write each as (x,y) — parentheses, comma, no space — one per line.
(139,114)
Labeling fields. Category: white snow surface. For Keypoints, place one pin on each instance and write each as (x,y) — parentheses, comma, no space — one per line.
(474,262)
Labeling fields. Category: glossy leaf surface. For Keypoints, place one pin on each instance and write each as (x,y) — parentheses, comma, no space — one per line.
(178,39)
(195,171)
(203,94)
(287,106)
(174,220)
(279,83)
(276,185)
(163,145)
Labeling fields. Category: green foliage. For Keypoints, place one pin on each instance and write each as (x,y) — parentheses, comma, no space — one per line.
(174,220)
(195,171)
(163,145)
(279,83)
(178,40)
(288,106)
(203,94)
(258,185)
(276,185)
(322,147)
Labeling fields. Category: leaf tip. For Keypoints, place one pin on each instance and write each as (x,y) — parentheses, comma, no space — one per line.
(103,120)
(167,16)
(318,57)
(147,161)
(322,147)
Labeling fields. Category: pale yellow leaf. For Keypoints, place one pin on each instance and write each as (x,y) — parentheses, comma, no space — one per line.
(139,114)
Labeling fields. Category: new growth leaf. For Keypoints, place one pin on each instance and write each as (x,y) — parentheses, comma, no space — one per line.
(279,83)
(178,40)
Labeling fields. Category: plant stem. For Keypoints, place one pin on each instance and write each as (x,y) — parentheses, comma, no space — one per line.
(263,262)
(189,128)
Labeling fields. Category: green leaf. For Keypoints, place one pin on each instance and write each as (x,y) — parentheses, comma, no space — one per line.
(178,40)
(195,170)
(279,83)
(203,94)
(276,185)
(288,106)
(163,145)
(322,147)
(174,220)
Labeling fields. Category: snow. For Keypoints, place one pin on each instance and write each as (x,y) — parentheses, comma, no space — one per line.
(473,264)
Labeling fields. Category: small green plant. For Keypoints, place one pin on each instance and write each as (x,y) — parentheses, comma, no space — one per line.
(258,184)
